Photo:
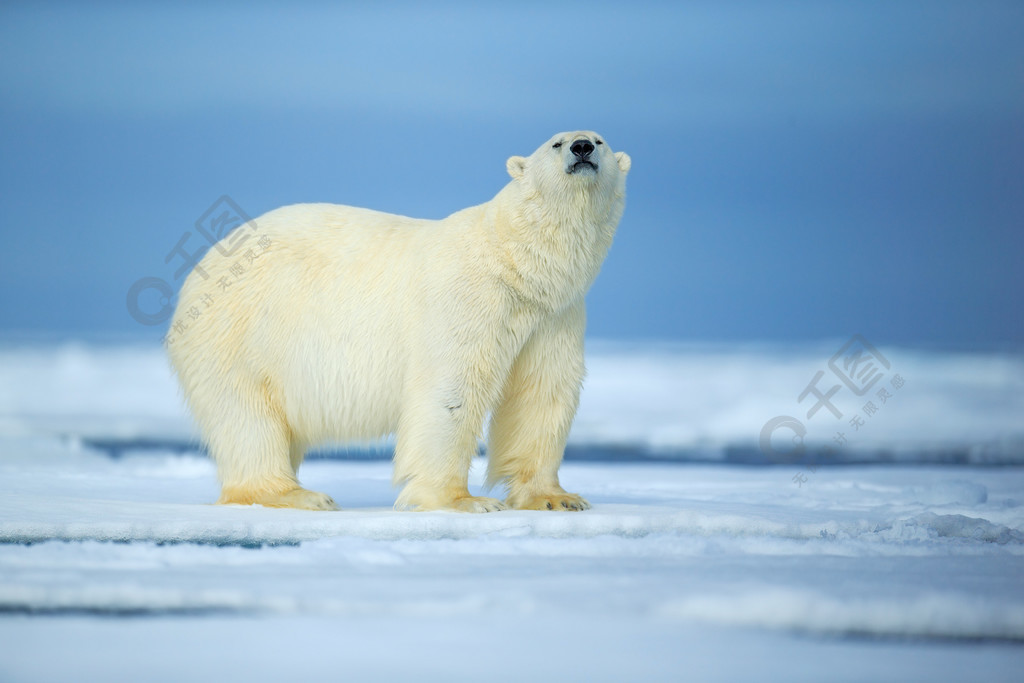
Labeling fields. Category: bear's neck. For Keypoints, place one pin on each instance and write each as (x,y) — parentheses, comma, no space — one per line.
(550,255)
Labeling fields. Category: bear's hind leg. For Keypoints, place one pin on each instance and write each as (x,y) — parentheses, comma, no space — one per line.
(256,463)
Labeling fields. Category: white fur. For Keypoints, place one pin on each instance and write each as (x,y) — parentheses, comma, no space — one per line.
(354,324)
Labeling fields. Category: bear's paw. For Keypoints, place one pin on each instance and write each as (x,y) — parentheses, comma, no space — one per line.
(297,498)
(554,501)
(304,499)
(477,504)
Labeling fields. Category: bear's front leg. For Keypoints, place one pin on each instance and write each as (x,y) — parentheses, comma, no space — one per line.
(531,422)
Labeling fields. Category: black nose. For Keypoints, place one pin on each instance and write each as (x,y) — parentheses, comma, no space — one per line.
(582,148)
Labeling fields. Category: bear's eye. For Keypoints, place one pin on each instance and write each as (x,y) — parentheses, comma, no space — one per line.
(599,142)
(556,145)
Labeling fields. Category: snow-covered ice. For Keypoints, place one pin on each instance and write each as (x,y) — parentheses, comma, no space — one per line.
(669,400)
(118,568)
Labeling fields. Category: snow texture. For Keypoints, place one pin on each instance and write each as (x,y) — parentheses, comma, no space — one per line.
(118,568)
(677,402)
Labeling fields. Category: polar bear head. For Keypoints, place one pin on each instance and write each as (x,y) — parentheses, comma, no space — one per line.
(572,162)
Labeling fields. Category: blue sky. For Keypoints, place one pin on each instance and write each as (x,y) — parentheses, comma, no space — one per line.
(801,171)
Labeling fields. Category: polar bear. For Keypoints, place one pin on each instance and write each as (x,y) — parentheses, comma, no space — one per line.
(349,324)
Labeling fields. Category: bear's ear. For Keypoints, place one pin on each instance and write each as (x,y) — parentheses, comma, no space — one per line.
(624,161)
(516,167)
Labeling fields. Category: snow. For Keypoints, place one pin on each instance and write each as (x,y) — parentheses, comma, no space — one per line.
(672,400)
(686,568)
